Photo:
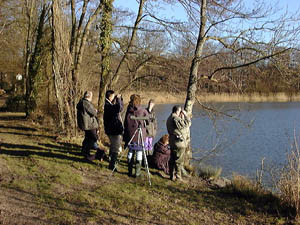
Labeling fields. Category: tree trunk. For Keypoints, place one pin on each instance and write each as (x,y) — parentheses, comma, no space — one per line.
(61,67)
(67,53)
(34,66)
(193,78)
(105,41)
(29,7)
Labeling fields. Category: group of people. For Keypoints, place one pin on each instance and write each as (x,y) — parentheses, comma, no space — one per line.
(167,154)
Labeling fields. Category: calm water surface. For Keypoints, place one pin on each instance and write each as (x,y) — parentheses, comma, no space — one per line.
(260,130)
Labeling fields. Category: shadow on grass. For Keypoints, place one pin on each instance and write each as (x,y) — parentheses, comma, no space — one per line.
(64,148)
(224,200)
(19,127)
(12,117)
(22,128)
(30,135)
(82,210)
(28,150)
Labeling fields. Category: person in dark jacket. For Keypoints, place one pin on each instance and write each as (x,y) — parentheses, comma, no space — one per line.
(113,126)
(161,154)
(151,128)
(131,137)
(88,122)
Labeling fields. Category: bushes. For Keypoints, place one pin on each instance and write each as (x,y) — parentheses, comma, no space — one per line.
(5,86)
(15,103)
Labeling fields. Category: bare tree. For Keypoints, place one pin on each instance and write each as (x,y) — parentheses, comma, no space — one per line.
(12,36)
(238,30)
(108,78)
(67,54)
(61,66)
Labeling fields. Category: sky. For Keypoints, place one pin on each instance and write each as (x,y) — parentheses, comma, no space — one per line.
(167,10)
(178,12)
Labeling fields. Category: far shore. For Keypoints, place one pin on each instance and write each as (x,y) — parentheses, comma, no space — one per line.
(172,98)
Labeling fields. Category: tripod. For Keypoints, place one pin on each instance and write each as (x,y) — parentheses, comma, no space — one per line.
(140,143)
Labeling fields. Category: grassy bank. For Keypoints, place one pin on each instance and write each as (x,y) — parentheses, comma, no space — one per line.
(44,180)
(172,98)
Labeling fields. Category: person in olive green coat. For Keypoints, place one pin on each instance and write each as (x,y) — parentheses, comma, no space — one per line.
(178,125)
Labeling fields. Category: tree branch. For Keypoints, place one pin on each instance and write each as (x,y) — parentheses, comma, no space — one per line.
(210,77)
(136,79)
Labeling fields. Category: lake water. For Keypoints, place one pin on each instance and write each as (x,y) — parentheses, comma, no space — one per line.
(259,130)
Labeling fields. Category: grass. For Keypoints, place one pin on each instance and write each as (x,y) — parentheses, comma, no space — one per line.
(45,181)
(264,200)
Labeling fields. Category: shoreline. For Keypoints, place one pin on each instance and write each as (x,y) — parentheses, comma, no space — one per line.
(173,98)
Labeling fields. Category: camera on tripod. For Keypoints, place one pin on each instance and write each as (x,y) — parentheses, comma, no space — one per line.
(140,119)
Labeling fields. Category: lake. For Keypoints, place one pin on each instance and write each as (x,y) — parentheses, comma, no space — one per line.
(258,130)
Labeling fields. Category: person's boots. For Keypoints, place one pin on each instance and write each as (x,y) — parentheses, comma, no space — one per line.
(138,167)
(83,151)
(113,160)
(84,147)
(172,176)
(171,171)
(178,174)
(88,156)
(185,173)
(99,154)
(130,167)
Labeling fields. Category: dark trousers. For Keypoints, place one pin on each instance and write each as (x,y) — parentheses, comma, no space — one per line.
(89,142)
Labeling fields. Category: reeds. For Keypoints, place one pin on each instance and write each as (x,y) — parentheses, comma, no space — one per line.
(288,183)
(245,187)
(208,172)
(250,97)
(163,97)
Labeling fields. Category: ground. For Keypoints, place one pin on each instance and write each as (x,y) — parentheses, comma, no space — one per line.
(44,180)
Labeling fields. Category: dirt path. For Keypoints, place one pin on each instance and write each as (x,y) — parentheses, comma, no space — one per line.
(16,206)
